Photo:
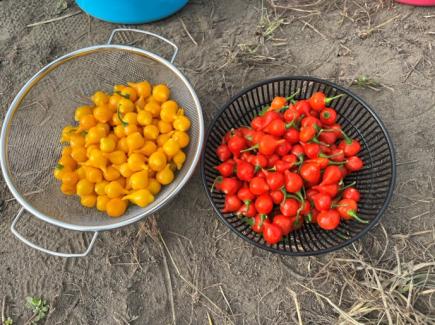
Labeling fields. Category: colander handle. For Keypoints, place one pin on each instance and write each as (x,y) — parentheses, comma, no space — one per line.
(147,33)
(44,250)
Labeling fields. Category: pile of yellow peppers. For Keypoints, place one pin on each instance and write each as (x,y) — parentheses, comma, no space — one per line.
(125,147)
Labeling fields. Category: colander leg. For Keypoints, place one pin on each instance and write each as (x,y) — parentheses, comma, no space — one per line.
(47,251)
(147,33)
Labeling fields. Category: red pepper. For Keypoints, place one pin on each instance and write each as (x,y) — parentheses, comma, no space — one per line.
(328,220)
(270,116)
(283,149)
(272,234)
(277,196)
(258,123)
(259,222)
(291,115)
(249,134)
(232,203)
(332,175)
(318,100)
(245,194)
(312,150)
(236,144)
(226,169)
(272,160)
(311,121)
(275,180)
(337,155)
(223,152)
(276,128)
(354,164)
(292,136)
(322,202)
(347,209)
(291,158)
(302,107)
(228,185)
(307,133)
(320,161)
(278,103)
(306,208)
(281,166)
(293,182)
(289,207)
(350,147)
(258,186)
(259,161)
(245,171)
(283,222)
(310,172)
(264,203)
(331,189)
(298,150)
(328,116)
(247,210)
(267,144)
(328,137)
(351,193)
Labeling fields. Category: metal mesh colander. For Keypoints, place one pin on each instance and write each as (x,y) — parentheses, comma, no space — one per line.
(33,124)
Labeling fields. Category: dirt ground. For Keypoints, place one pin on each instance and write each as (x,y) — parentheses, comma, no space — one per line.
(197,268)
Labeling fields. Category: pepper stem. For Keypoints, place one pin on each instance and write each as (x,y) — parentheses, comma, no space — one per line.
(338,163)
(349,185)
(249,221)
(315,140)
(284,192)
(124,124)
(292,95)
(346,137)
(356,217)
(289,125)
(250,148)
(330,99)
(264,110)
(217,179)
(300,197)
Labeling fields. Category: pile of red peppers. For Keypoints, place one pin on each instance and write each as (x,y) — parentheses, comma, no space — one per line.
(287,168)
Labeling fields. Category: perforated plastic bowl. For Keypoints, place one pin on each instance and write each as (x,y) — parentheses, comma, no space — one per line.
(375,181)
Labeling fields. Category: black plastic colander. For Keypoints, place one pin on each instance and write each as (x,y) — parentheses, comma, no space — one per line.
(375,181)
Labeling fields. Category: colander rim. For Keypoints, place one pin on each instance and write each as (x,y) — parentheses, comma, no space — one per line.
(44,71)
(366,229)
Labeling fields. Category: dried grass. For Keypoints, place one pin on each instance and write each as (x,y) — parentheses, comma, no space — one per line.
(395,290)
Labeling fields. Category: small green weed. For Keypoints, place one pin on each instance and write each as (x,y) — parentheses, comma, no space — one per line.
(39,307)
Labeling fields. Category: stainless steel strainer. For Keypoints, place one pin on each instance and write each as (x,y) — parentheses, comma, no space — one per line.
(30,143)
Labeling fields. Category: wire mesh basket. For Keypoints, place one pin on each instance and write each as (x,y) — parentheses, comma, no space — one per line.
(31,131)
(375,181)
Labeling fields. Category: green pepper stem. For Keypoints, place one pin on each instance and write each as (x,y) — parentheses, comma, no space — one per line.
(338,163)
(217,179)
(292,95)
(330,99)
(349,185)
(124,124)
(263,111)
(249,221)
(315,140)
(290,124)
(356,217)
(250,148)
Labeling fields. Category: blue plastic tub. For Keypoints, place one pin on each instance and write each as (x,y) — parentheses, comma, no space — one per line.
(131,11)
